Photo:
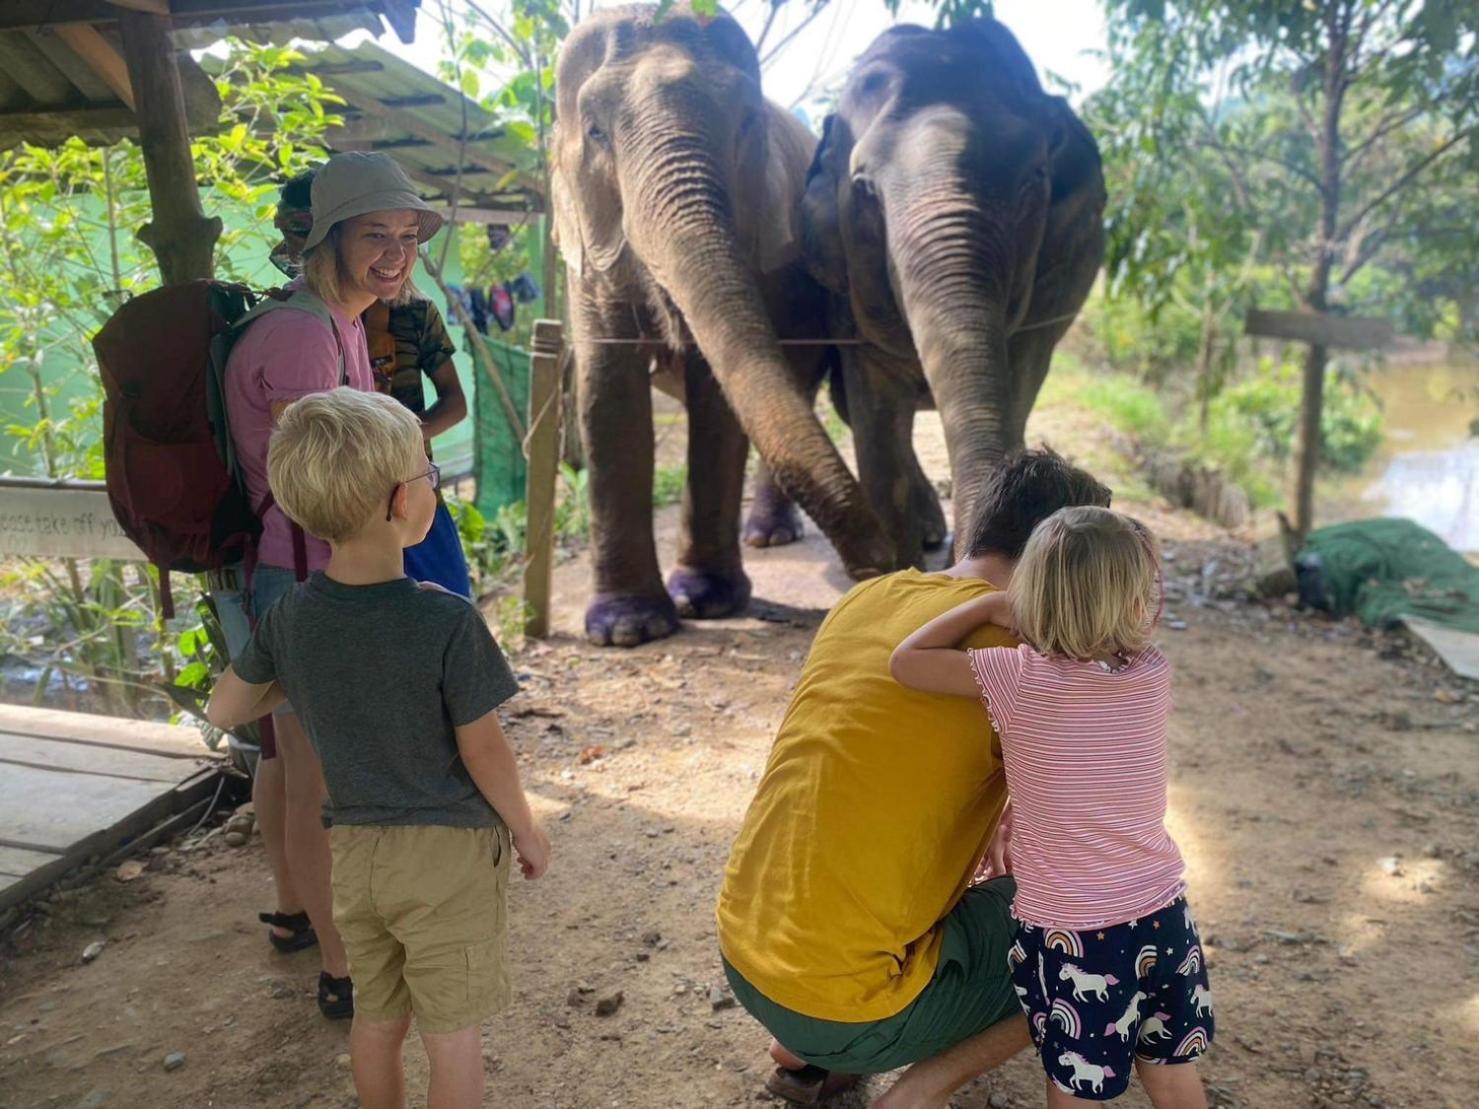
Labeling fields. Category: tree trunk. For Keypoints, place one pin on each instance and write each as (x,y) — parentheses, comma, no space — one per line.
(1307,433)
(182,238)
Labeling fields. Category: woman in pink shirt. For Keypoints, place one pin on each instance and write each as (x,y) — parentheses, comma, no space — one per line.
(1106,960)
(368,222)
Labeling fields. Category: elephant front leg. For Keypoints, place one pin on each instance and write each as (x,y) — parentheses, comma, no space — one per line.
(881,397)
(630,605)
(933,530)
(709,580)
(774,520)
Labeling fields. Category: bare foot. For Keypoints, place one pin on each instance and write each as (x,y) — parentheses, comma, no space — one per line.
(904,1094)
(784,1058)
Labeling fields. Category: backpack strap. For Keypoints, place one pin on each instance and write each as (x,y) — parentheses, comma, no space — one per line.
(300,300)
(300,545)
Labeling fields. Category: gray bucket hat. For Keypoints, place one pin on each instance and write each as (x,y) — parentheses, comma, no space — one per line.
(357,183)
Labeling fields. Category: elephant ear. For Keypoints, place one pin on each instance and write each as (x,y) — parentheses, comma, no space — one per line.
(820,231)
(566,233)
(1073,155)
(587,214)
(775,161)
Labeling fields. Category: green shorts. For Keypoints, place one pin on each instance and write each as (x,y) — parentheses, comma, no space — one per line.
(970,991)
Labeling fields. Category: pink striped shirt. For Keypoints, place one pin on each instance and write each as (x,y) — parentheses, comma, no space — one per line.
(1086,762)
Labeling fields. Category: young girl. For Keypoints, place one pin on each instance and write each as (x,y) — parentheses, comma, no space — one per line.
(1106,961)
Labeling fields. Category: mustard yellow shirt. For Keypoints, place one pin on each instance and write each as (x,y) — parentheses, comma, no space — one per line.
(875,804)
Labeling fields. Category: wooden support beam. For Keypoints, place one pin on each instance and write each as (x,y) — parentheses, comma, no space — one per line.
(182,237)
(1317,329)
(29,14)
(92,87)
(100,57)
(411,124)
(59,126)
(545,408)
(43,82)
(512,217)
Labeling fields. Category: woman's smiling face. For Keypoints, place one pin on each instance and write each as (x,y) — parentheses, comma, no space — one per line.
(378,251)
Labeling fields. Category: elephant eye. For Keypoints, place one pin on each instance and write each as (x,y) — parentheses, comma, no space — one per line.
(594,133)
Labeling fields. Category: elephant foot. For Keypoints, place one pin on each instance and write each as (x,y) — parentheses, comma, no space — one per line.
(773,521)
(701,595)
(624,620)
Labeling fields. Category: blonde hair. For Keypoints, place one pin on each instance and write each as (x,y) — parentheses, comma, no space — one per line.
(1086,585)
(336,458)
(323,272)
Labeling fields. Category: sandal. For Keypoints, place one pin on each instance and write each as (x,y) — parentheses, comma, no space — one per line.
(809,1085)
(335,996)
(302,931)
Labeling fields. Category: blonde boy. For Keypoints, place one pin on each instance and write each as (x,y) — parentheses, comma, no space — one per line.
(397,686)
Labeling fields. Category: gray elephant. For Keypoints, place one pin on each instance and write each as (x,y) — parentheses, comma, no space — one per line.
(676,192)
(957,210)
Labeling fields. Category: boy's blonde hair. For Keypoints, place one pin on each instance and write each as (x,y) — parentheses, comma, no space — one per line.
(336,457)
(1086,585)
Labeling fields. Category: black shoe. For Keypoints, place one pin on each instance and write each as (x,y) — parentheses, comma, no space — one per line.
(302,936)
(335,996)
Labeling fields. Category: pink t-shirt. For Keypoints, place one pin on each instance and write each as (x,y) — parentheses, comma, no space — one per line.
(285,355)
(1085,753)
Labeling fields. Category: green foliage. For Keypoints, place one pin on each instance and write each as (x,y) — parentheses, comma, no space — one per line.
(668,483)
(1263,409)
(1130,406)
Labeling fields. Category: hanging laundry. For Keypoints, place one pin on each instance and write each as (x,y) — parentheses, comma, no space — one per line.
(501,305)
(499,235)
(524,288)
(479,311)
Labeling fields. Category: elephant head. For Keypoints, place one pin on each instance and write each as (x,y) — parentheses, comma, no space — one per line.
(927,205)
(675,186)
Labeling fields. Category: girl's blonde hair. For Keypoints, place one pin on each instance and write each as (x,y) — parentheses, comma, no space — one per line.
(336,458)
(1086,585)
(323,272)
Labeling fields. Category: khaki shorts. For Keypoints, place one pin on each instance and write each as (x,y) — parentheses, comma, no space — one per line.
(423,911)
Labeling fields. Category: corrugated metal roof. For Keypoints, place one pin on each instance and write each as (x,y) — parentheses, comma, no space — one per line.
(393,106)
(49,91)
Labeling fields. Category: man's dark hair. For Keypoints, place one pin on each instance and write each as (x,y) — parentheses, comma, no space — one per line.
(1022,492)
(298,192)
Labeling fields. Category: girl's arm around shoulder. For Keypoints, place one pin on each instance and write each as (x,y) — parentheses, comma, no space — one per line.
(930,661)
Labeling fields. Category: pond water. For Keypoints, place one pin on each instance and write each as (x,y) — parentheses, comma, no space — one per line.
(1427,468)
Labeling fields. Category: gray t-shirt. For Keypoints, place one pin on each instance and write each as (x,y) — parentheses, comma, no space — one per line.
(380,675)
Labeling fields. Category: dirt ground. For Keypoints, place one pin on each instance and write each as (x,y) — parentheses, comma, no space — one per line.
(1324,793)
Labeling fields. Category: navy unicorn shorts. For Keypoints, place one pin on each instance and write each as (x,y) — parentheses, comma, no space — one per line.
(1098,1000)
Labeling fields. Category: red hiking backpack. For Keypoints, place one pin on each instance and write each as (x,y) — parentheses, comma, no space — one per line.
(171,470)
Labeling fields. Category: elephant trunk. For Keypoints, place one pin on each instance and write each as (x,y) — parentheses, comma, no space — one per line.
(952,277)
(682,226)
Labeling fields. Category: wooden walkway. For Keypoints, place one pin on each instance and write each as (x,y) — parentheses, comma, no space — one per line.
(74,785)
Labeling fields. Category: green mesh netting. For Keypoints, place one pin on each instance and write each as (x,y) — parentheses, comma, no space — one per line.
(1382,570)
(498,456)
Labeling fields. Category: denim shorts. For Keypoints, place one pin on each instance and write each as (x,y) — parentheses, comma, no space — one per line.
(236,609)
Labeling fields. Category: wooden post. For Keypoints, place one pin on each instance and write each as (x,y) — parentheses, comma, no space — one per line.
(1321,332)
(543,452)
(182,237)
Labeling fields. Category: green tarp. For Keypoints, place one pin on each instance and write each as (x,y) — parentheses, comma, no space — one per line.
(498,456)
(1386,570)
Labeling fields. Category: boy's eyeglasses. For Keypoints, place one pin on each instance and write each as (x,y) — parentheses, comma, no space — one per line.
(434,473)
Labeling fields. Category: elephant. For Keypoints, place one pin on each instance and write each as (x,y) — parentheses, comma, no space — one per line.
(676,191)
(956,212)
